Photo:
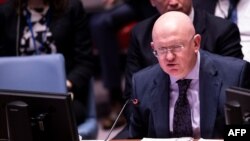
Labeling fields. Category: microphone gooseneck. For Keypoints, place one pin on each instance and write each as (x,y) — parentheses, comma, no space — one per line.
(134,101)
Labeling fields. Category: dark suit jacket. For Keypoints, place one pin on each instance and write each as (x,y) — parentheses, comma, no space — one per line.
(70,32)
(217,36)
(142,8)
(151,87)
(207,5)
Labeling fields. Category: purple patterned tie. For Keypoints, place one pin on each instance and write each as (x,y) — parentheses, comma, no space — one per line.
(182,125)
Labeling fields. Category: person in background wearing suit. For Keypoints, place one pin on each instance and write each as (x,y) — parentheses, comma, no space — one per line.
(234,10)
(167,109)
(36,27)
(104,26)
(219,36)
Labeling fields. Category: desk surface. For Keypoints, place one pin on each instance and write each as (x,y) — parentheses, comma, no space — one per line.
(126,140)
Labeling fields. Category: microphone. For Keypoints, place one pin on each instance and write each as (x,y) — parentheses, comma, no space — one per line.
(134,101)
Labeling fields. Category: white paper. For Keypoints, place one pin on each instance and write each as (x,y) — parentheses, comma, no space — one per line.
(178,139)
(168,139)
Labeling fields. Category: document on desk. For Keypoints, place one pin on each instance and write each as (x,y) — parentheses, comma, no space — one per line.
(210,139)
(168,139)
(179,139)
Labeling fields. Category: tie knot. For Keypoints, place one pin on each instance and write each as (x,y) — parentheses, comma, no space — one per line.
(184,84)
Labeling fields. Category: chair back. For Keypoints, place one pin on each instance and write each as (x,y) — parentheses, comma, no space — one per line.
(42,73)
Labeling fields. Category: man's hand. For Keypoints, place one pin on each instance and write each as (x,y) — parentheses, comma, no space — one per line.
(69,86)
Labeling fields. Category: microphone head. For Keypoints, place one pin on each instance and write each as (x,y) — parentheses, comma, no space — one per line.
(135,101)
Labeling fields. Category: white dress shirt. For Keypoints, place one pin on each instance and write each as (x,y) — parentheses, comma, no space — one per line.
(243,10)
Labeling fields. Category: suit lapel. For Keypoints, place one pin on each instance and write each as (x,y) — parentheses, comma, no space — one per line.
(210,86)
(160,105)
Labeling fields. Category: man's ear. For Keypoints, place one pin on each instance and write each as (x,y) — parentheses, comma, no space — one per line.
(197,41)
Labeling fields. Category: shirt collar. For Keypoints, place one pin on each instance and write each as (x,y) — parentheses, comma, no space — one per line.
(191,15)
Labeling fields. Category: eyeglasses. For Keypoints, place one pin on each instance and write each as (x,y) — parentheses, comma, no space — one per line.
(173,49)
(164,50)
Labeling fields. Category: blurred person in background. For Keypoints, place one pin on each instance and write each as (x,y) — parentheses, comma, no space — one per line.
(236,11)
(104,26)
(36,27)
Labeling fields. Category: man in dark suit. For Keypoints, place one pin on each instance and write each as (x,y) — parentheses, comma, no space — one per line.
(176,47)
(207,5)
(218,36)
(235,11)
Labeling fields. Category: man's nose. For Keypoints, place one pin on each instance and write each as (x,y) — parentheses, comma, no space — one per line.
(170,56)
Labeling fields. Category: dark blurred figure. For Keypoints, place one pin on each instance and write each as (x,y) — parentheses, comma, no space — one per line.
(104,26)
(235,10)
(36,27)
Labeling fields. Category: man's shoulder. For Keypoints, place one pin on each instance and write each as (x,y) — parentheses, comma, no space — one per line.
(148,72)
(230,70)
(223,61)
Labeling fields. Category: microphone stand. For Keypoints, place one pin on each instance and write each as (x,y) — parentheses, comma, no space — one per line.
(127,101)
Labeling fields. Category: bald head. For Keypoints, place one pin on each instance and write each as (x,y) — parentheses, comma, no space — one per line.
(173,23)
(175,43)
